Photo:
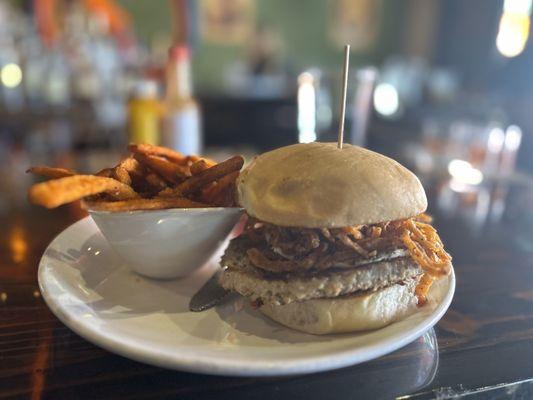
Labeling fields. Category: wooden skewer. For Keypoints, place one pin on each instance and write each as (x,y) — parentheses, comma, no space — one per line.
(343,98)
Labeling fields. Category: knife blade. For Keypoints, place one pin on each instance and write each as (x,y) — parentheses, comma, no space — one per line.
(209,295)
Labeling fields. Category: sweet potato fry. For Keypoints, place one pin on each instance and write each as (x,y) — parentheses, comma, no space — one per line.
(132,166)
(168,192)
(225,198)
(121,175)
(199,166)
(222,185)
(155,182)
(106,172)
(196,182)
(190,160)
(150,150)
(172,173)
(65,190)
(51,172)
(152,177)
(139,174)
(156,203)
(207,190)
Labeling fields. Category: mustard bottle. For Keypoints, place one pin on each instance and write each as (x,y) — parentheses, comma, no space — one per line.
(144,113)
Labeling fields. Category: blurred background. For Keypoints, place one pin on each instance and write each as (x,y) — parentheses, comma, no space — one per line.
(444,86)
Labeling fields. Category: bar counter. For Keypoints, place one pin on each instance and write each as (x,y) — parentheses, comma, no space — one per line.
(483,346)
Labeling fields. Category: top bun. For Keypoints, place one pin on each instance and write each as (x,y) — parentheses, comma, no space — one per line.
(317,185)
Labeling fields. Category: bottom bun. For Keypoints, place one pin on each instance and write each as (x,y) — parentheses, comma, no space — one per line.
(348,313)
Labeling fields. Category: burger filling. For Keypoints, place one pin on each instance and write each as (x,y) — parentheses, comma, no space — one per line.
(284,264)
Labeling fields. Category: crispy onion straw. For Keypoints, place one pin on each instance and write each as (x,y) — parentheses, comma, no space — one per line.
(303,248)
(426,248)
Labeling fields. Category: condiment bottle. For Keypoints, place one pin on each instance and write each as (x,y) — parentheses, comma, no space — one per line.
(144,113)
(181,124)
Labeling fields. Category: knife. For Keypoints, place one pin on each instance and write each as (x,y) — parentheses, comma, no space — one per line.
(209,295)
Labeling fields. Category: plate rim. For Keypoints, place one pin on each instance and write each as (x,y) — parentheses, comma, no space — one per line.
(229,366)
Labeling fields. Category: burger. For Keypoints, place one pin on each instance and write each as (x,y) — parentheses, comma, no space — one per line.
(336,239)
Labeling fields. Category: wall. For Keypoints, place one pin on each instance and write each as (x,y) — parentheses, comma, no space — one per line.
(302,25)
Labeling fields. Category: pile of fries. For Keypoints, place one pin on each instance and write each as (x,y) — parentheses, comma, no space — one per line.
(152,177)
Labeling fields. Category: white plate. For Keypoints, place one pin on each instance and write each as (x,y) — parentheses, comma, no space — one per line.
(88,288)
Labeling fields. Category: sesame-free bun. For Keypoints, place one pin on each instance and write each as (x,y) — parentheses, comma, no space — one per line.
(354,313)
(316,185)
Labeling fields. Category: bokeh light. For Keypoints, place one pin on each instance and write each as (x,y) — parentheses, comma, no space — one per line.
(386,100)
(11,75)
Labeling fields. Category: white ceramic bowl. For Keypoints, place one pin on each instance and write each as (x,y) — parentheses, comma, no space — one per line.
(166,244)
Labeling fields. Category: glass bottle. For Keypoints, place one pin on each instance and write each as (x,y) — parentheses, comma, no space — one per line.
(181,124)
